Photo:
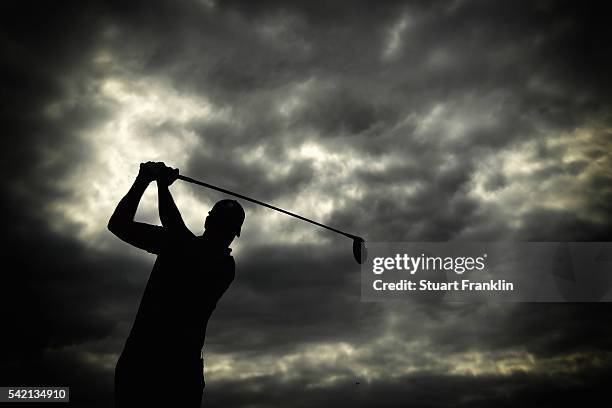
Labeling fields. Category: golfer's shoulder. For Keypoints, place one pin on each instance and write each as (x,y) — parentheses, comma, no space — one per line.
(222,258)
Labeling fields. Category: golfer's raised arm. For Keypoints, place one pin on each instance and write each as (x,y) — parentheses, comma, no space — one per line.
(169,214)
(122,224)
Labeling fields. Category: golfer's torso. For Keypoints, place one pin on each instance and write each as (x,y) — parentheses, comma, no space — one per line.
(186,282)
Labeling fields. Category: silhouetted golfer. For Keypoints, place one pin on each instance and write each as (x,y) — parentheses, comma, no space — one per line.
(161,364)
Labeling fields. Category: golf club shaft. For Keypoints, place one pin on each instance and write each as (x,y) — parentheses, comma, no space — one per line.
(201,183)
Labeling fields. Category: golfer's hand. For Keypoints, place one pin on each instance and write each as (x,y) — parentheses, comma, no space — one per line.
(165,175)
(147,172)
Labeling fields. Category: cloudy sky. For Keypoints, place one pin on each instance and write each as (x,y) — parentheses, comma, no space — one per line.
(408,121)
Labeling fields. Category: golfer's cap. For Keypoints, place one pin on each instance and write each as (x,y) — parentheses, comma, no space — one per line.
(230,211)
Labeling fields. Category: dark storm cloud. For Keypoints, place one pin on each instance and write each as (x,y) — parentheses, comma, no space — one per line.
(346,109)
(507,72)
(64,294)
(39,53)
(33,62)
(278,291)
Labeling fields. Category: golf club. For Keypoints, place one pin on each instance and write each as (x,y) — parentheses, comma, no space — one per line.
(359,249)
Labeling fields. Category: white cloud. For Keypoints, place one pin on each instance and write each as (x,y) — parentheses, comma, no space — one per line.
(135,132)
(394,39)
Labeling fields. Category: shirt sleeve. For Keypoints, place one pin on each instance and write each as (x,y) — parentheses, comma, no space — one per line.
(151,238)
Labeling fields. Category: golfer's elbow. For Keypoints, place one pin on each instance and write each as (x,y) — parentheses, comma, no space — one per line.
(112,226)
(115,226)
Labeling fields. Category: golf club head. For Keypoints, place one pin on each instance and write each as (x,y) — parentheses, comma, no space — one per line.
(360,252)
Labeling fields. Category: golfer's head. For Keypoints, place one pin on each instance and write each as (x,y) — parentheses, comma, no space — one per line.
(225,219)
